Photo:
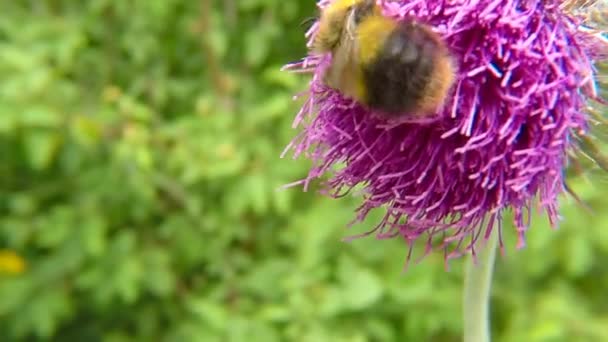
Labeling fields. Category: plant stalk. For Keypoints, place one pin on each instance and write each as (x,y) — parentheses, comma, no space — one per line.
(477,286)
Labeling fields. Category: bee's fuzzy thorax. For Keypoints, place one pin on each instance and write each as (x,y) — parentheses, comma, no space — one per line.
(332,23)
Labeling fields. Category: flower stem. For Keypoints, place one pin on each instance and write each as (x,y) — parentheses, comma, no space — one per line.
(477,284)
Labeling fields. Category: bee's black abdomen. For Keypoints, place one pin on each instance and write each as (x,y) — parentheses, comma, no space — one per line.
(397,78)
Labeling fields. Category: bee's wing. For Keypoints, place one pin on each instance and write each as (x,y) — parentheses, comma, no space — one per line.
(344,71)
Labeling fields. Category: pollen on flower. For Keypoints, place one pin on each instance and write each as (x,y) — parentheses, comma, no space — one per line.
(525,77)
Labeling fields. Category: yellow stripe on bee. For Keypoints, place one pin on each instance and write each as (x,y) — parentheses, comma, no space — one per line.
(372,33)
(340,5)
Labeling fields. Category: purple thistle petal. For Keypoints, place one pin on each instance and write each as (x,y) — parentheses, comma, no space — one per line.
(526,72)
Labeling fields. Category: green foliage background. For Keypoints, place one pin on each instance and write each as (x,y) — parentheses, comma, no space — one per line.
(139,162)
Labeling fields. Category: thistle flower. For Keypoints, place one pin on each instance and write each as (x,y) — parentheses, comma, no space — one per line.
(525,77)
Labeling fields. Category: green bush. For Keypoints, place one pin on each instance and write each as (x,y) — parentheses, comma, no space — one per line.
(139,168)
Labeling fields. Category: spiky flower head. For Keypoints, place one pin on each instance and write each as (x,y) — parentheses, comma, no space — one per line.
(525,78)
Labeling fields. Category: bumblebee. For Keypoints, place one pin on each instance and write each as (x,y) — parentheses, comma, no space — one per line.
(396,68)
